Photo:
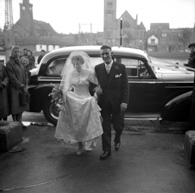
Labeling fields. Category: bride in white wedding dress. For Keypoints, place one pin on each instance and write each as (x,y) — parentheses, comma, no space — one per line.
(80,119)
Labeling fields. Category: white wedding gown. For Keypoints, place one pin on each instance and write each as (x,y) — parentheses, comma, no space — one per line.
(80,119)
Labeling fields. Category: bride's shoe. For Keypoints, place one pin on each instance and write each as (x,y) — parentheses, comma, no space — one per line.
(79,151)
(90,146)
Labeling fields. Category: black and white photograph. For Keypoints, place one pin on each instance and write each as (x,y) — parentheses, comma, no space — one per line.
(97,96)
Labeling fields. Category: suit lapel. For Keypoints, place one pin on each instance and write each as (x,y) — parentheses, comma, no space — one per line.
(108,77)
(104,72)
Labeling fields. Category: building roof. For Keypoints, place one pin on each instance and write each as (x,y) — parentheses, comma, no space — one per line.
(159,26)
(43,29)
(141,26)
(127,17)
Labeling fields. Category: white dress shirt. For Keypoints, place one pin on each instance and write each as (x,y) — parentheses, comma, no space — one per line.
(108,67)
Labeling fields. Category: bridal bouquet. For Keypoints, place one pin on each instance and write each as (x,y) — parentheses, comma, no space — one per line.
(57,96)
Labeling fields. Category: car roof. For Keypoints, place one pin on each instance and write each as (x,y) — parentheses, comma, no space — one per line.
(95,50)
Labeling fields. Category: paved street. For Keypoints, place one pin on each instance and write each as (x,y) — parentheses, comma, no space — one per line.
(148,162)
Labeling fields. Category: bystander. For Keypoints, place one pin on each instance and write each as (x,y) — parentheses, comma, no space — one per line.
(41,56)
(18,85)
(191,63)
(31,59)
(4,104)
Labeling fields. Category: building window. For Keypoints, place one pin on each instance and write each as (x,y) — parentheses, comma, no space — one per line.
(164,34)
(40,47)
(109,4)
(179,34)
(152,41)
(57,46)
(50,48)
(163,40)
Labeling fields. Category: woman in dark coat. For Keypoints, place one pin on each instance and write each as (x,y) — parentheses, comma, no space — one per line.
(31,60)
(18,78)
(4,104)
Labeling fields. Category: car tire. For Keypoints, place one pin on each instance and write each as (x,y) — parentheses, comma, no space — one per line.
(51,112)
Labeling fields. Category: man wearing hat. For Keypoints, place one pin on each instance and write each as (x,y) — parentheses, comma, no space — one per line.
(191,63)
(191,59)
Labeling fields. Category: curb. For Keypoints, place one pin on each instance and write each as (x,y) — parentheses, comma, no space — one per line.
(156,126)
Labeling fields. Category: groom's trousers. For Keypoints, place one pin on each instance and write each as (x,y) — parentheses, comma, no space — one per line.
(114,118)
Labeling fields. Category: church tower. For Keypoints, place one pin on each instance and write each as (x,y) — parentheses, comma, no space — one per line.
(110,22)
(26,16)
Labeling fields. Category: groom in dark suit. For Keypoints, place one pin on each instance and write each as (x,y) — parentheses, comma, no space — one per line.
(113,98)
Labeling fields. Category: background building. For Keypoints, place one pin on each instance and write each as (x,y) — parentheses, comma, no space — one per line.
(123,31)
(133,34)
(160,38)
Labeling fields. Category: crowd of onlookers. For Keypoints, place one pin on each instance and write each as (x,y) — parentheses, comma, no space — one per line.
(14,81)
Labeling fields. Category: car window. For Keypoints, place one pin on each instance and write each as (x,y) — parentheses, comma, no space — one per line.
(143,71)
(56,66)
(134,67)
(96,60)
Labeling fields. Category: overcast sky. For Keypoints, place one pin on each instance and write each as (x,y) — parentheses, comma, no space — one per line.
(66,15)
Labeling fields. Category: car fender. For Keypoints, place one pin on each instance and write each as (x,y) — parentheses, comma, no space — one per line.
(39,95)
(178,108)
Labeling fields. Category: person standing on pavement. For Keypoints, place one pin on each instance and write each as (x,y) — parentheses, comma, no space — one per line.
(80,119)
(24,52)
(31,59)
(191,63)
(18,80)
(113,98)
(25,61)
(4,103)
(41,56)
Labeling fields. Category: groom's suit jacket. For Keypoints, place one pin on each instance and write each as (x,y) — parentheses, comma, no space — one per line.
(114,85)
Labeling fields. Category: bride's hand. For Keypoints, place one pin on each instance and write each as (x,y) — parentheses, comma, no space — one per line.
(98,90)
(95,96)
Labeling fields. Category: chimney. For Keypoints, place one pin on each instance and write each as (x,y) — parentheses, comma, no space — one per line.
(136,19)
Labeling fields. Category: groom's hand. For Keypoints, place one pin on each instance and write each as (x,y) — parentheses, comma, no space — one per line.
(98,90)
(123,106)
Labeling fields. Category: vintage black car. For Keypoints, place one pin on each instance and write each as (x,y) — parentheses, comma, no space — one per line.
(157,90)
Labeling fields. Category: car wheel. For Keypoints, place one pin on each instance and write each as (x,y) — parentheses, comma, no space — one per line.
(51,112)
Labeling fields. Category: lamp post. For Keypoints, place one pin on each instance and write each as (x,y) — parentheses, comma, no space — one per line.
(121,26)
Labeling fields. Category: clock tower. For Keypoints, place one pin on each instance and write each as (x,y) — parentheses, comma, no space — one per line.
(26,15)
(110,22)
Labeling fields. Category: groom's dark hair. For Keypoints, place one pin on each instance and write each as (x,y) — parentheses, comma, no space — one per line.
(105,47)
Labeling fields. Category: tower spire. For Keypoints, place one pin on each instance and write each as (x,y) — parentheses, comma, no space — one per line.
(8,14)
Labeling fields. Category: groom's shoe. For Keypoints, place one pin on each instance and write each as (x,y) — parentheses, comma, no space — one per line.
(117,146)
(105,155)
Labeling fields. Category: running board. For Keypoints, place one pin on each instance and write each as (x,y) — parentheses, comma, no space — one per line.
(142,117)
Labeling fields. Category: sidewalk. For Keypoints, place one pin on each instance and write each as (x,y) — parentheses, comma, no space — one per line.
(148,162)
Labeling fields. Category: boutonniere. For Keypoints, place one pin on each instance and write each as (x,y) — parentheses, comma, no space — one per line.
(118,75)
(116,68)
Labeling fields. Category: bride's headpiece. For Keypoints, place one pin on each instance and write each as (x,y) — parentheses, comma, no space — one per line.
(68,68)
